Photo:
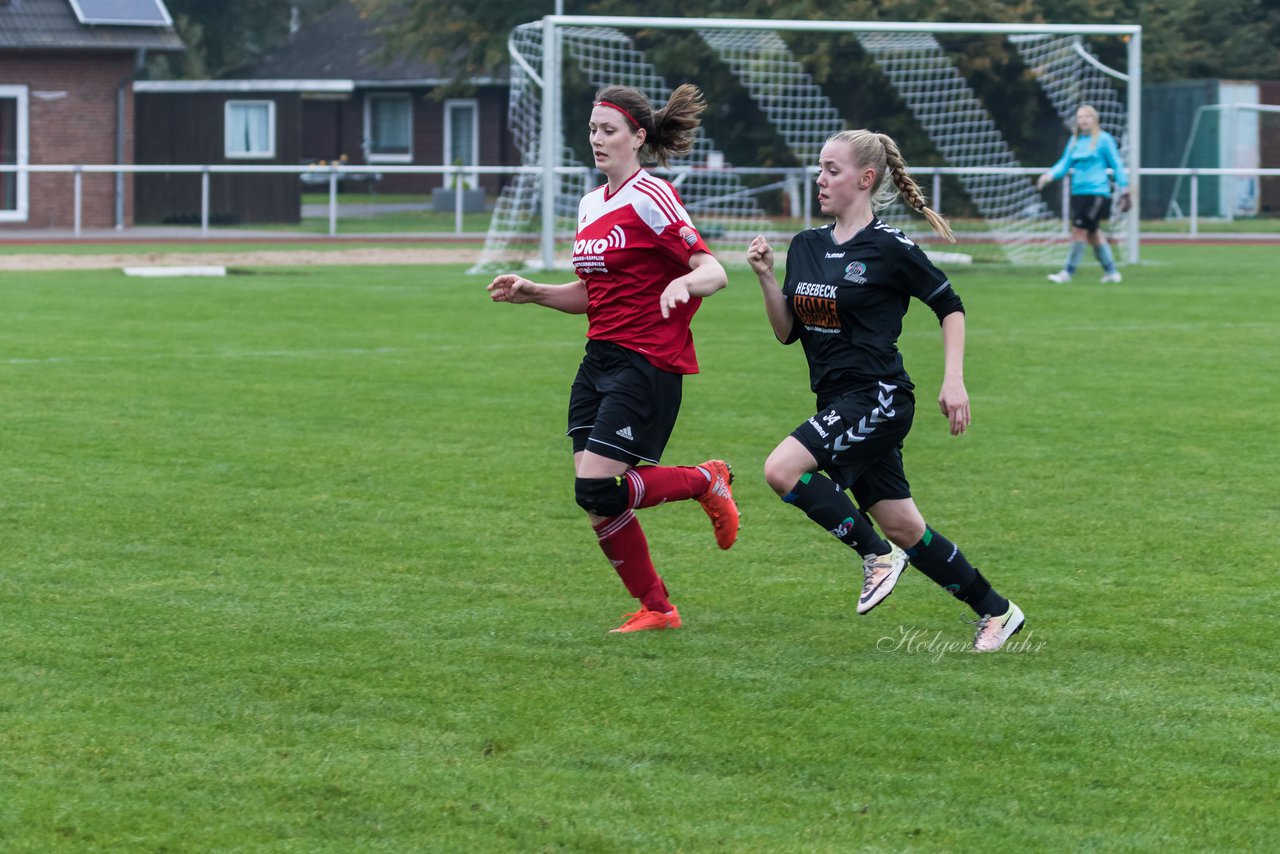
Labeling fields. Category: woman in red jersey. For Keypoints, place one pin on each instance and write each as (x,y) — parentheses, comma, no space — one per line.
(643,270)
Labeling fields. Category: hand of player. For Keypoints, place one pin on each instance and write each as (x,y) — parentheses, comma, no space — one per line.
(511,288)
(1043,181)
(1124,202)
(953,400)
(676,293)
(760,255)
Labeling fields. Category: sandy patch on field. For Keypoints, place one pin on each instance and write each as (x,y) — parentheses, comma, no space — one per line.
(264,258)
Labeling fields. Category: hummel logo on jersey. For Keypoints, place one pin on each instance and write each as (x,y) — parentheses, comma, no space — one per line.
(625,433)
(835,254)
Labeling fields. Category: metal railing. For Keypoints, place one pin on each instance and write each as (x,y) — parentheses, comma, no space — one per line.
(335,173)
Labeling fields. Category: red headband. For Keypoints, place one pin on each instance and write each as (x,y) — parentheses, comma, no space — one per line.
(614,106)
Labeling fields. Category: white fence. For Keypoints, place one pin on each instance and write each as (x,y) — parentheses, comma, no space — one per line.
(795,179)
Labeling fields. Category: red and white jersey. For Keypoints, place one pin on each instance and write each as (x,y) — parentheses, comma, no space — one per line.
(629,247)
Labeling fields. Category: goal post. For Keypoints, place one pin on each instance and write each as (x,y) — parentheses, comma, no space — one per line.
(600,50)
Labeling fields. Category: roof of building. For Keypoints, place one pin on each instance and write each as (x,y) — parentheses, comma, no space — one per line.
(344,44)
(53,25)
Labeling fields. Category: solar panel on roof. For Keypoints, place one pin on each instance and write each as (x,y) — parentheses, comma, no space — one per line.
(122,13)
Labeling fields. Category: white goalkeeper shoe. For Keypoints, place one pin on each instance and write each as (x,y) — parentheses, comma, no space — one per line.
(1061,277)
(1112,278)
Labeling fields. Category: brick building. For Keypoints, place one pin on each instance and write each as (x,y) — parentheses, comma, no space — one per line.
(328,93)
(66,98)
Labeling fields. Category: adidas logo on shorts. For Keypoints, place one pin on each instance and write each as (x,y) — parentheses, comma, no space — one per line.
(625,433)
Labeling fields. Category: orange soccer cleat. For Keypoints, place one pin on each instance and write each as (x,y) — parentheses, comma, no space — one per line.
(718,502)
(645,620)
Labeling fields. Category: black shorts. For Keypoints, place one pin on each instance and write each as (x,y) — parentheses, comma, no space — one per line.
(621,406)
(857,440)
(1088,212)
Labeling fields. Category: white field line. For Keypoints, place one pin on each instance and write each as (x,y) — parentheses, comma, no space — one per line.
(182,357)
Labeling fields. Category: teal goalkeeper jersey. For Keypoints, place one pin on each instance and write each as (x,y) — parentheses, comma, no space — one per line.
(1090,164)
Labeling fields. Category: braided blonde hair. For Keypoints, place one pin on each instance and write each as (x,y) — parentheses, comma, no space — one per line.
(880,153)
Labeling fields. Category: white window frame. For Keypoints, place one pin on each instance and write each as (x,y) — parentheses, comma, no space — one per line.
(372,156)
(270,151)
(472,179)
(22,153)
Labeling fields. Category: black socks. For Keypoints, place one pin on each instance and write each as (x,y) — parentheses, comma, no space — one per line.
(828,505)
(936,556)
(942,560)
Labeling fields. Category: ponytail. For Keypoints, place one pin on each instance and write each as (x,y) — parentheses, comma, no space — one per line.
(910,190)
(675,126)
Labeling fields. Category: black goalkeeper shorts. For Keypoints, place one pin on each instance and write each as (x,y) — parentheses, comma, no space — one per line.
(1089,212)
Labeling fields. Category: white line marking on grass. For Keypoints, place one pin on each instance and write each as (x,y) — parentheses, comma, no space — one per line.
(190,270)
(177,357)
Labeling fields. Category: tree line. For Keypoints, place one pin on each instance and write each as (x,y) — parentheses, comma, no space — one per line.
(1182,39)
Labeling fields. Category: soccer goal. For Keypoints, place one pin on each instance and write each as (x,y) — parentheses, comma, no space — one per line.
(781,71)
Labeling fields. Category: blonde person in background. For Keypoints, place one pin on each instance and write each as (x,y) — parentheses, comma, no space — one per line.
(847,289)
(1090,152)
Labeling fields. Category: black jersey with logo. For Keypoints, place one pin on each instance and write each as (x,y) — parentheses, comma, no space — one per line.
(848,300)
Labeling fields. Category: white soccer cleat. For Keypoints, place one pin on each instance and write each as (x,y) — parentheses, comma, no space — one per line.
(880,573)
(994,631)
(1112,278)
(1061,277)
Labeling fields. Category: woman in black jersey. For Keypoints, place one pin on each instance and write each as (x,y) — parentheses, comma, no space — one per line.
(846,291)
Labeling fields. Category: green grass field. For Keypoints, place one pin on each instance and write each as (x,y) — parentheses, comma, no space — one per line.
(289,561)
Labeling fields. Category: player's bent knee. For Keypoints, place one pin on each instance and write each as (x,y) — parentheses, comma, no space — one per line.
(603,496)
(780,475)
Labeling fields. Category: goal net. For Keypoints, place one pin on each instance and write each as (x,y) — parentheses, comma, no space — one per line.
(780,73)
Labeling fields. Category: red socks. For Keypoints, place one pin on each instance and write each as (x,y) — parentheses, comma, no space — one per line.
(622,539)
(623,542)
(649,486)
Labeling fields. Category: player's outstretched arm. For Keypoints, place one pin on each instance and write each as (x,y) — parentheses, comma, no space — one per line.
(570,298)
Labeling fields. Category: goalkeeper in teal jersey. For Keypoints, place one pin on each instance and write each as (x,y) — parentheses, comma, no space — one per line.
(1090,152)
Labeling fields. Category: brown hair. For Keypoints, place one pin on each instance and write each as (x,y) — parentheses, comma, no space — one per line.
(670,131)
(879,152)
